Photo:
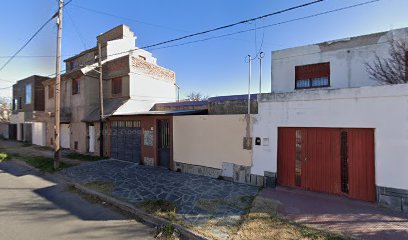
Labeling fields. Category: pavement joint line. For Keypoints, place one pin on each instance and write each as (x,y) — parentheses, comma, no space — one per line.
(136,212)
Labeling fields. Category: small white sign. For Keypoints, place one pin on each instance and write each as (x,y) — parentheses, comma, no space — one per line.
(265,141)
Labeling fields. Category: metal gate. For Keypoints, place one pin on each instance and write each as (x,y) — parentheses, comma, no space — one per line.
(331,160)
(163,143)
(125,140)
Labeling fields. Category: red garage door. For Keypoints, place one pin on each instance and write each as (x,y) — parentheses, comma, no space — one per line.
(332,160)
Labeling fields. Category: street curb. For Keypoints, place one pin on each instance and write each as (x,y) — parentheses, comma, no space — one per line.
(140,214)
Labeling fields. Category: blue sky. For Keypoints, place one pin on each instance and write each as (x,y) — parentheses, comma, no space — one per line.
(215,67)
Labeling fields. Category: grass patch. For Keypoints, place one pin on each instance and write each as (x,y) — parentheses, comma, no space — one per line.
(43,164)
(26,144)
(4,156)
(101,186)
(43,148)
(262,222)
(167,232)
(83,157)
(160,208)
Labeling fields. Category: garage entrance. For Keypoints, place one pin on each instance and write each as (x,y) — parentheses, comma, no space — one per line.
(331,160)
(125,140)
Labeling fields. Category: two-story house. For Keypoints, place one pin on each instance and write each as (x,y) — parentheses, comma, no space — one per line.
(27,119)
(132,81)
(328,127)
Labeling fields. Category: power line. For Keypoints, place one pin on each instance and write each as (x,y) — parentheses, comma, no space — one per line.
(267,26)
(31,38)
(81,38)
(235,24)
(35,56)
(219,28)
(248,30)
(126,18)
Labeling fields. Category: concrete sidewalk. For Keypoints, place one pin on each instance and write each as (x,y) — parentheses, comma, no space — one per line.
(338,214)
(35,207)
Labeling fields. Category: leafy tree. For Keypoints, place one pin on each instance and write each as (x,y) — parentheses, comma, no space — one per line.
(5,109)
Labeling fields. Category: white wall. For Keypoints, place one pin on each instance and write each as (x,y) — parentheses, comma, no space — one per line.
(39,133)
(17,118)
(145,91)
(384,108)
(347,59)
(210,140)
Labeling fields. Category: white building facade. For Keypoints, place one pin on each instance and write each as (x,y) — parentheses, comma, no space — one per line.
(327,127)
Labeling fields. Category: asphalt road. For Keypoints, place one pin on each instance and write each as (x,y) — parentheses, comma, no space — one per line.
(32,207)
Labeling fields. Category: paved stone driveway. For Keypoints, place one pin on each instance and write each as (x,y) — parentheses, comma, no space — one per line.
(356,218)
(137,184)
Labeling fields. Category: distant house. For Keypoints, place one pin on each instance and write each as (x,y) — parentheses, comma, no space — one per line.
(331,65)
(27,122)
(132,81)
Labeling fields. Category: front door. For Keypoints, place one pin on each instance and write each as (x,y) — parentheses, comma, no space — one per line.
(163,142)
(65,135)
(91,139)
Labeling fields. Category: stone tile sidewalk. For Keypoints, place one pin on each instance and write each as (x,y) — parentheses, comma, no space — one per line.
(137,184)
(339,214)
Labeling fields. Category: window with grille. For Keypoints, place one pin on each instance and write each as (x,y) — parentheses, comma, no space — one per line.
(312,76)
(75,86)
(116,85)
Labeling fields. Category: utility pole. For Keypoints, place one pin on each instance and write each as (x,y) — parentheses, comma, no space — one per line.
(261,55)
(57,147)
(249,85)
(178,92)
(101,139)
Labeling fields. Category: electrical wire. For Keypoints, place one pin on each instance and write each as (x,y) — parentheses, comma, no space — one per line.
(31,38)
(216,29)
(81,38)
(126,18)
(248,30)
(234,24)
(269,25)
